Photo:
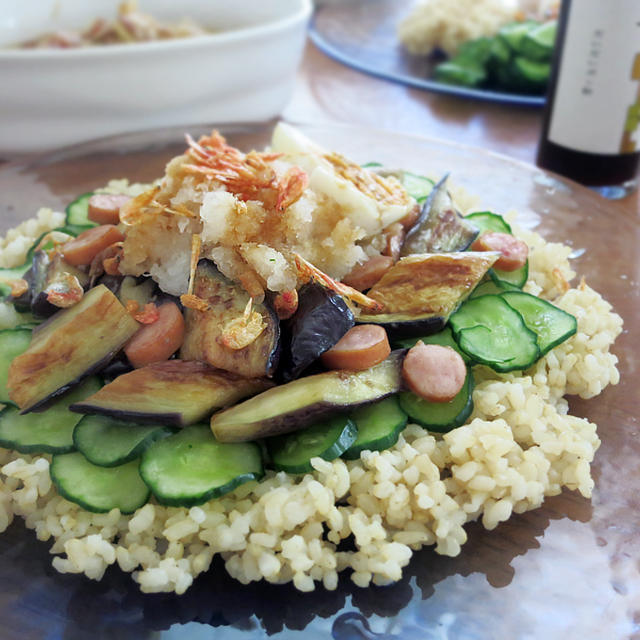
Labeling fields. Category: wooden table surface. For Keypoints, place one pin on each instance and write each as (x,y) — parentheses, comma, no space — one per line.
(327,91)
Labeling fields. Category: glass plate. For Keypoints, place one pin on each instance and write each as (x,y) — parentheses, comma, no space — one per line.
(362,34)
(566,570)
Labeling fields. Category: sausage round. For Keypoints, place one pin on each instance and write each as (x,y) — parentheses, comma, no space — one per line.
(104,208)
(360,348)
(157,341)
(433,372)
(83,249)
(513,252)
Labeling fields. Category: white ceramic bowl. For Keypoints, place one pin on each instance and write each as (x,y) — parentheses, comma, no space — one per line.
(244,71)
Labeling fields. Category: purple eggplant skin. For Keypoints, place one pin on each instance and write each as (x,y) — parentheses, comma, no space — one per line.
(302,402)
(413,328)
(44,404)
(35,276)
(322,318)
(111,282)
(168,418)
(440,228)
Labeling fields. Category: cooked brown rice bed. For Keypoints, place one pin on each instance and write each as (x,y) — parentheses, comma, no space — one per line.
(519,446)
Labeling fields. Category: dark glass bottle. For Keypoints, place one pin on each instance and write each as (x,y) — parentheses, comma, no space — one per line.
(590,130)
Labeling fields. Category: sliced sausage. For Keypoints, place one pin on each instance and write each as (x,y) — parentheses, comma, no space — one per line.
(104,208)
(84,248)
(360,348)
(157,341)
(433,372)
(364,276)
(514,252)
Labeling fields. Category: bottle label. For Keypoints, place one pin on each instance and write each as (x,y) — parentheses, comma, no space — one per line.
(597,101)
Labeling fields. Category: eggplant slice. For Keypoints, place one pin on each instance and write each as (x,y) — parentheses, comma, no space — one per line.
(440,227)
(174,392)
(322,318)
(420,292)
(42,277)
(203,329)
(298,404)
(71,345)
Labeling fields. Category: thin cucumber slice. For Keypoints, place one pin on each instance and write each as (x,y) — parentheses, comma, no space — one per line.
(513,34)
(48,432)
(379,426)
(494,333)
(538,43)
(78,212)
(418,187)
(492,287)
(98,489)
(191,467)
(474,52)
(108,442)
(444,338)
(329,439)
(488,221)
(452,72)
(440,416)
(531,73)
(550,324)
(517,278)
(499,53)
(13,342)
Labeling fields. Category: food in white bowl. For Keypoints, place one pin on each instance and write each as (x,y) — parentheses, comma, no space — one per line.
(129,25)
(341,465)
(51,97)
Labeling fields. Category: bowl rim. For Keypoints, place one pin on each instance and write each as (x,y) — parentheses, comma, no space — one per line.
(301,13)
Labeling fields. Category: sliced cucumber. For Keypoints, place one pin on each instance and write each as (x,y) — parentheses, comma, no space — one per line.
(474,52)
(13,342)
(191,467)
(488,221)
(499,53)
(98,489)
(328,439)
(538,43)
(78,213)
(379,426)
(108,442)
(440,416)
(517,278)
(48,432)
(451,72)
(513,34)
(492,287)
(444,338)
(494,333)
(531,74)
(550,324)
(418,187)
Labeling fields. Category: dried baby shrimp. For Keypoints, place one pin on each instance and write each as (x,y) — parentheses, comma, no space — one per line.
(309,272)
(247,176)
(241,332)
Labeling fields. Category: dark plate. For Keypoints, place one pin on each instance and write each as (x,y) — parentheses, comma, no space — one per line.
(567,570)
(362,34)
